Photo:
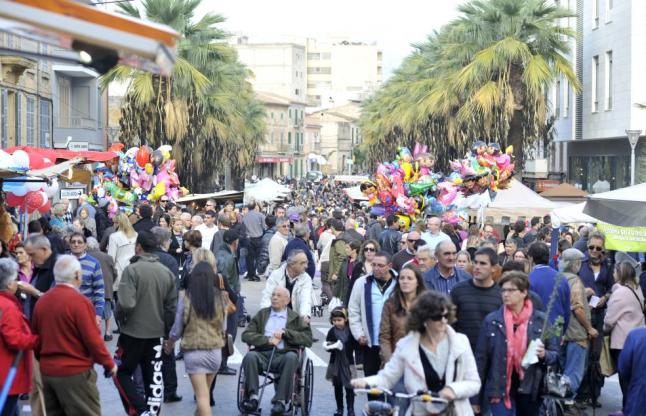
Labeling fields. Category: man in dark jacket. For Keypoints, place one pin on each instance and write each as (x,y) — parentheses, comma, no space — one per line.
(218,238)
(145,222)
(228,267)
(390,237)
(263,259)
(301,233)
(275,327)
(102,219)
(39,249)
(374,228)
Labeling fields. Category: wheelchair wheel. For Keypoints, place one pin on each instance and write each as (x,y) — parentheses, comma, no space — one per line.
(307,387)
(241,391)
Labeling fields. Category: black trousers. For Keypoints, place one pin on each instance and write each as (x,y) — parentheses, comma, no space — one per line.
(146,353)
(592,382)
(10,406)
(253,252)
(169,372)
(614,353)
(338,396)
(371,365)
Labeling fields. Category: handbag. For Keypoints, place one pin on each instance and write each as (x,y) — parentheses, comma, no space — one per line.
(606,362)
(557,384)
(231,307)
(532,381)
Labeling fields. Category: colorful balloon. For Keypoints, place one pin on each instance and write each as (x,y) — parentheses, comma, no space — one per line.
(143,156)
(21,159)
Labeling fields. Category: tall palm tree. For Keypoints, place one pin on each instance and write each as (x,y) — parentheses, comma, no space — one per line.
(484,75)
(202,108)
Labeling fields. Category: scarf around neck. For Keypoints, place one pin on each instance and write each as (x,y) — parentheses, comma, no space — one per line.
(516,343)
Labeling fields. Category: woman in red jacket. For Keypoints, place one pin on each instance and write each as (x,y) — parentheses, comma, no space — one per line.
(15,336)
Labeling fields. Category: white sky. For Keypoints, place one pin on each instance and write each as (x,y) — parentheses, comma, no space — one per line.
(394,25)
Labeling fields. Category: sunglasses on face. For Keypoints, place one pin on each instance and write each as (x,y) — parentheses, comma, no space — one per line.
(369,249)
(596,248)
(439,317)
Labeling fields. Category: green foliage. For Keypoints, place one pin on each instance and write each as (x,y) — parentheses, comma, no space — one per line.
(206,109)
(484,75)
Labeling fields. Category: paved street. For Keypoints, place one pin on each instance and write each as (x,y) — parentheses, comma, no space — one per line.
(323,402)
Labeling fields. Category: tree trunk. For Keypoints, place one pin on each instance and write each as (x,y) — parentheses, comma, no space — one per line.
(515,137)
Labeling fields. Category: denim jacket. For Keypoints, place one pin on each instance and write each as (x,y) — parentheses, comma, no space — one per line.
(491,351)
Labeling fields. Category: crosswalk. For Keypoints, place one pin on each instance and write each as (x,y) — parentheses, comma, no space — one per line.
(236,358)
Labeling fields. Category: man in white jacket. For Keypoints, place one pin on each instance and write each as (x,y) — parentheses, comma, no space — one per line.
(277,244)
(293,277)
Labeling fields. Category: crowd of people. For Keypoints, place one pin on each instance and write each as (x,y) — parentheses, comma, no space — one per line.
(477,313)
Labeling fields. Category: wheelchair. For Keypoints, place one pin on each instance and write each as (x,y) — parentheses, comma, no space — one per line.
(302,388)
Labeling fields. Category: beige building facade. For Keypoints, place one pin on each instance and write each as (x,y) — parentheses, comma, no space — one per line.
(283,153)
(278,68)
(25,95)
(340,133)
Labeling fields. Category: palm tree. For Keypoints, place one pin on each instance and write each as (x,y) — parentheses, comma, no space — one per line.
(484,75)
(202,108)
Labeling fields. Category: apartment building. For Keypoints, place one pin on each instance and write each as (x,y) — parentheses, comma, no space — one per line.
(283,153)
(278,68)
(340,70)
(340,133)
(25,94)
(47,104)
(609,57)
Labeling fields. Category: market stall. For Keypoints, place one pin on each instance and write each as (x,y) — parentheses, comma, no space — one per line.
(265,190)
(572,214)
(516,201)
(565,193)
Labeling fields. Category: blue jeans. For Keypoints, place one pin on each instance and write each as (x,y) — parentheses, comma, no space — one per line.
(573,358)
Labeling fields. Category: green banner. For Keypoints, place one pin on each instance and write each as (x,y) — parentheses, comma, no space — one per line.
(623,238)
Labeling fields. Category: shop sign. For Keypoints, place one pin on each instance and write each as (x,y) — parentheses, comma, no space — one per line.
(71,193)
(78,146)
(628,239)
(273,159)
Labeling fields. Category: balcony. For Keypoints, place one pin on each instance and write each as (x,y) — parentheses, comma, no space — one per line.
(73,122)
(285,148)
(298,148)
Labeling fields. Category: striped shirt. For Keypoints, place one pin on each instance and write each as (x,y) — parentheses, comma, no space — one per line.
(92,282)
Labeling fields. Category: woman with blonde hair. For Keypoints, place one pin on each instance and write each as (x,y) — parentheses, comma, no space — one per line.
(121,246)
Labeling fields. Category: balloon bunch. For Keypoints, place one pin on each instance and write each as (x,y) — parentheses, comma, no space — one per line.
(21,191)
(139,174)
(408,187)
(486,167)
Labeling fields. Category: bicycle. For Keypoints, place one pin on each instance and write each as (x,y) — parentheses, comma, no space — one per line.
(432,401)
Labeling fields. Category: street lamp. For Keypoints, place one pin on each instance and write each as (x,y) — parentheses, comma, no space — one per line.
(633,138)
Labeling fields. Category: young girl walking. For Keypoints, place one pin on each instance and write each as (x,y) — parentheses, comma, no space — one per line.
(341,367)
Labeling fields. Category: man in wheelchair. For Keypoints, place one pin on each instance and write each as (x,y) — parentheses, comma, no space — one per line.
(280,328)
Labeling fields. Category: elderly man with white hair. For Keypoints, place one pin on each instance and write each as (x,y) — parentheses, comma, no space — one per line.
(579,330)
(70,344)
(292,276)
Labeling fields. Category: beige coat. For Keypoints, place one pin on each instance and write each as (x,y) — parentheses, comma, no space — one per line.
(624,314)
(406,362)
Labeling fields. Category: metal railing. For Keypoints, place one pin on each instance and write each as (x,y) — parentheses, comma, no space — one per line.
(73,122)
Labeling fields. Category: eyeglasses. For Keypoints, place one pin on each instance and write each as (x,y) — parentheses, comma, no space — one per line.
(503,291)
(439,317)
(596,248)
(163,200)
(369,249)
(77,242)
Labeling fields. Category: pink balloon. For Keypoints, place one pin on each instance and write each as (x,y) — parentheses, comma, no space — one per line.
(33,201)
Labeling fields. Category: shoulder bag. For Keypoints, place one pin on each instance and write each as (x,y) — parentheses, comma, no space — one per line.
(231,307)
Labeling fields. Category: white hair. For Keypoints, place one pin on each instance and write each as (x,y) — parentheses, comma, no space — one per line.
(426,249)
(8,272)
(66,268)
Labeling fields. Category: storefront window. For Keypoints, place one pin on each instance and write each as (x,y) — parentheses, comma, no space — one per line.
(586,171)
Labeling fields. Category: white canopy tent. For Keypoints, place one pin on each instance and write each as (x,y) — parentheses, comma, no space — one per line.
(625,207)
(516,201)
(570,214)
(355,194)
(265,190)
